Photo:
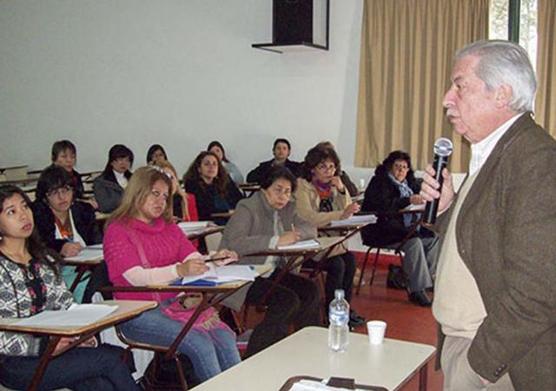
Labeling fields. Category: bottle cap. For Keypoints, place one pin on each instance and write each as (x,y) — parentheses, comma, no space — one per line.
(339,294)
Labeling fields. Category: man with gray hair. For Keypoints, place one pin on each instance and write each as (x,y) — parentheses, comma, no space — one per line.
(495,289)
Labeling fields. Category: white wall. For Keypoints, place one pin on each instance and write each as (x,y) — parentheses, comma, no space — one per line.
(175,72)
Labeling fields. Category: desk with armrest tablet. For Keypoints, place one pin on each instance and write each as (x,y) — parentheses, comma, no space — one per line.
(126,310)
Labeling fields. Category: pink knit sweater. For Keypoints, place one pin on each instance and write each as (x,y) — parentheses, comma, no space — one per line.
(163,244)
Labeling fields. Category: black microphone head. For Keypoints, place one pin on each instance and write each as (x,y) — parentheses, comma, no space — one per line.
(443,147)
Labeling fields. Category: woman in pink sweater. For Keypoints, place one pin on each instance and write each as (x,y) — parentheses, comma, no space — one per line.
(141,247)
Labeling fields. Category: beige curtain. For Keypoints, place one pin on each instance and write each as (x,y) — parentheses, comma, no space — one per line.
(545,103)
(407,48)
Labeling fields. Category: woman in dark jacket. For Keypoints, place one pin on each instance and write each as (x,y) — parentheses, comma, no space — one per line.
(66,225)
(214,191)
(393,188)
(109,186)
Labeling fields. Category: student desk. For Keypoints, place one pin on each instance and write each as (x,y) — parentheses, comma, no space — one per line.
(296,257)
(81,267)
(306,352)
(127,309)
(205,231)
(211,295)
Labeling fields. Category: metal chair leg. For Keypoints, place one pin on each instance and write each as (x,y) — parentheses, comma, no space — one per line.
(374,266)
(363,271)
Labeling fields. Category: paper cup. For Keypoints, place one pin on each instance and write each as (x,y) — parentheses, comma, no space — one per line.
(376,330)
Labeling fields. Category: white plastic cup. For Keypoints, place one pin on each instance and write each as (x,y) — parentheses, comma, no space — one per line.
(376,330)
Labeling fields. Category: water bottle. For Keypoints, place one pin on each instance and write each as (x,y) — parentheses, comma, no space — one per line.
(338,316)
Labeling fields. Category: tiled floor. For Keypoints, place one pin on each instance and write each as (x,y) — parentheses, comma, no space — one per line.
(405,320)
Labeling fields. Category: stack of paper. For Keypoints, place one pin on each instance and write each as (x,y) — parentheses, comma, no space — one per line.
(222,274)
(191,227)
(354,220)
(76,315)
(89,253)
(301,245)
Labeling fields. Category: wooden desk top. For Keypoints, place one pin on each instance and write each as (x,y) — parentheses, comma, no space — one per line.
(306,352)
(127,309)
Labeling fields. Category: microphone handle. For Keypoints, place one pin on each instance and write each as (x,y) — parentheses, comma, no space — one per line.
(431,208)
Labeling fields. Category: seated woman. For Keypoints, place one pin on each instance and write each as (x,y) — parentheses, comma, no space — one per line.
(212,187)
(393,188)
(30,283)
(156,154)
(66,226)
(321,197)
(267,220)
(109,186)
(217,148)
(184,207)
(64,154)
(142,246)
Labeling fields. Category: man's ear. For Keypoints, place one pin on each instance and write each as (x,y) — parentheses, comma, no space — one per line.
(504,95)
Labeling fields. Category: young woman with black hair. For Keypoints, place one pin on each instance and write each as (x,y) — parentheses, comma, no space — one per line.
(30,283)
(110,185)
(67,225)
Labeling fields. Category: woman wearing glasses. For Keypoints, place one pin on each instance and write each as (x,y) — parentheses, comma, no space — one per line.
(394,187)
(322,197)
(66,225)
(266,220)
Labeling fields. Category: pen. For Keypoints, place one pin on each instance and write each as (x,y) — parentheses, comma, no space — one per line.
(215,259)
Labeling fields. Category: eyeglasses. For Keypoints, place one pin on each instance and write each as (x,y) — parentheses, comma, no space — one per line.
(401,167)
(60,192)
(278,191)
(156,194)
(326,167)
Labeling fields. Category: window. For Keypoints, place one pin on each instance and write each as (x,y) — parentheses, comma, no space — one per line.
(499,22)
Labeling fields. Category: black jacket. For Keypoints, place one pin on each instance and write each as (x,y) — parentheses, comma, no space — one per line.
(382,195)
(257,174)
(210,201)
(83,218)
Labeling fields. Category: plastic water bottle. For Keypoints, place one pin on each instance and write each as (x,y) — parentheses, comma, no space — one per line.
(338,316)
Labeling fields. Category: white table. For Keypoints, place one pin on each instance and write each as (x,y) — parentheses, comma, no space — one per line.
(306,352)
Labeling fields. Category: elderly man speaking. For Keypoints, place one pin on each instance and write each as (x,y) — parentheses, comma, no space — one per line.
(495,290)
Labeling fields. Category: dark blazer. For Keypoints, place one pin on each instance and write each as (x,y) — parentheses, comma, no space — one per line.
(83,218)
(257,174)
(506,237)
(210,201)
(382,195)
(108,192)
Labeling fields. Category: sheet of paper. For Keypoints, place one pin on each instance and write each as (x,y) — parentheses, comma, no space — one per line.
(188,226)
(301,245)
(415,207)
(89,253)
(354,220)
(77,315)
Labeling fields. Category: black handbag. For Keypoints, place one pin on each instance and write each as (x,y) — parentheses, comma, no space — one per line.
(396,278)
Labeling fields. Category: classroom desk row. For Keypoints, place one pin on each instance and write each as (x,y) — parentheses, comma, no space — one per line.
(211,296)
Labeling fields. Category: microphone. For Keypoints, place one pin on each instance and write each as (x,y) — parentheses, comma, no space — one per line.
(443,148)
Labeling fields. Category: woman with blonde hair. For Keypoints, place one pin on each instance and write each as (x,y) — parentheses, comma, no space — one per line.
(184,206)
(142,246)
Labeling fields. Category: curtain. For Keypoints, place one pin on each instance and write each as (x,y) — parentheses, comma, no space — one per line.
(545,103)
(407,48)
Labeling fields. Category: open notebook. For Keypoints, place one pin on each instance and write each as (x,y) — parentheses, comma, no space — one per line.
(220,275)
(76,315)
(89,253)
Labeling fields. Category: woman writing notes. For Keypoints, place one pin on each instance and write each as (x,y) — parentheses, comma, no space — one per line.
(142,246)
(321,197)
(268,220)
(30,283)
(67,225)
